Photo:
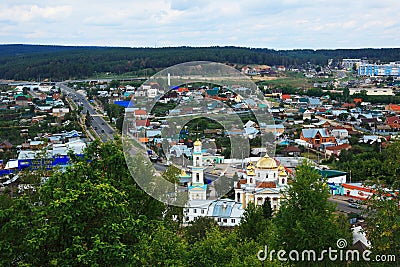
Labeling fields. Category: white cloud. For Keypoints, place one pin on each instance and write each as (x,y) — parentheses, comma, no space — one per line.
(275,24)
(26,13)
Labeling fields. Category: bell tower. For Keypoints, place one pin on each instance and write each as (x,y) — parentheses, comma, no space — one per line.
(197,189)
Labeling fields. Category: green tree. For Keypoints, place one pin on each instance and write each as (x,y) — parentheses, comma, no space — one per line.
(161,246)
(87,119)
(343,116)
(346,94)
(253,223)
(115,84)
(93,214)
(267,209)
(197,230)
(225,248)
(383,224)
(15,224)
(306,219)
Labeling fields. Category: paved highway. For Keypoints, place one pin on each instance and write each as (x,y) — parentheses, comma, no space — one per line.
(100,126)
(343,205)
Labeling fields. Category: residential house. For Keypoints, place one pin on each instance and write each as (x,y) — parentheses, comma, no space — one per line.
(58,103)
(291,151)
(393,122)
(47,109)
(276,129)
(153,133)
(316,136)
(36,144)
(179,150)
(340,133)
(393,108)
(281,68)
(314,102)
(250,123)
(286,98)
(38,118)
(367,122)
(335,150)
(348,105)
(22,100)
(140,113)
(42,97)
(302,101)
(142,123)
(382,128)
(307,115)
(6,145)
(322,124)
(250,132)
(49,100)
(60,112)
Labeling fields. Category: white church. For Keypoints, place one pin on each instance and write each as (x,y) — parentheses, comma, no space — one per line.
(265,180)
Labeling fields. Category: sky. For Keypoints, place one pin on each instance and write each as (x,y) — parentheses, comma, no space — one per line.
(274,24)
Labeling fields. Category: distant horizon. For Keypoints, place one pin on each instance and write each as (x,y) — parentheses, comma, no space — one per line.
(189,46)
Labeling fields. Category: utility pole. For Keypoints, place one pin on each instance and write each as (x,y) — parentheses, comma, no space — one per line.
(350,176)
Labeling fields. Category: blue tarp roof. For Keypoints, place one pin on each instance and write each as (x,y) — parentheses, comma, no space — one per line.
(125,104)
(213,92)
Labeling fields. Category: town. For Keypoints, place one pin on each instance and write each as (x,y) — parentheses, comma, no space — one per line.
(316,115)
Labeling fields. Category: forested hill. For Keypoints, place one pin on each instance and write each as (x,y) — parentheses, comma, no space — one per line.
(29,62)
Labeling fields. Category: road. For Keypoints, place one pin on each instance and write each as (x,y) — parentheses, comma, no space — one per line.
(343,205)
(100,126)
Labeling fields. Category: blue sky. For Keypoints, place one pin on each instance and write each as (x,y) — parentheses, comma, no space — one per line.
(283,24)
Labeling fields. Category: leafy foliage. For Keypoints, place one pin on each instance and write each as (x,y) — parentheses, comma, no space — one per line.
(306,220)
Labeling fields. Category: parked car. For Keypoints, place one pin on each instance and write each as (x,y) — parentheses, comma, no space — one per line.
(355,205)
(350,200)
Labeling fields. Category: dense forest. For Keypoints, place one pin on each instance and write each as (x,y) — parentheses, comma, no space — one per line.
(33,62)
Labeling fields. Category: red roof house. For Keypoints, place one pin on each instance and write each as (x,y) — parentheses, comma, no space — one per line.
(393,107)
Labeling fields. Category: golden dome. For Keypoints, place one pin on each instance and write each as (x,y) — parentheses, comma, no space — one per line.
(250,166)
(281,168)
(250,173)
(183,173)
(282,173)
(250,169)
(266,163)
(197,143)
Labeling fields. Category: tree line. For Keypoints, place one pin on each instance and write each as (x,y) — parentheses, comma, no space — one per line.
(31,62)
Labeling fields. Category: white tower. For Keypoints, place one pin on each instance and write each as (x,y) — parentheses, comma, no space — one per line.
(197,189)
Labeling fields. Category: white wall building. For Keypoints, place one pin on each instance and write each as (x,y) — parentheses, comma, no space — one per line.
(265,180)
(372,91)
(225,212)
